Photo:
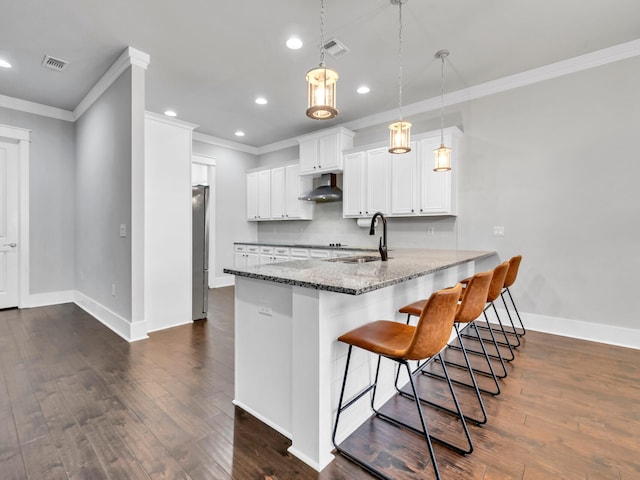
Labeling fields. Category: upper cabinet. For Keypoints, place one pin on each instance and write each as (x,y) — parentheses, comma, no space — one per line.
(402,185)
(322,152)
(272,194)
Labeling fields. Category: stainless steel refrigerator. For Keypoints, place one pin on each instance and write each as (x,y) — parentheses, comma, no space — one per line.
(200,225)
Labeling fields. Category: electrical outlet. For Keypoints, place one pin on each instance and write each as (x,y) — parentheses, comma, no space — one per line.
(498,231)
(113,289)
(123,229)
(264,310)
(430,231)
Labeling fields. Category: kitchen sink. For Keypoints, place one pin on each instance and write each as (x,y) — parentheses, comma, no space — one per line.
(356,259)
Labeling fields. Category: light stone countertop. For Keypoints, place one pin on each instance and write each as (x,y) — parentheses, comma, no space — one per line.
(324,246)
(357,278)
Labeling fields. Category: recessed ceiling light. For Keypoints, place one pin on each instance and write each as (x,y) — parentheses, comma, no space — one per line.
(363,89)
(239,133)
(4,63)
(294,43)
(170,113)
(261,101)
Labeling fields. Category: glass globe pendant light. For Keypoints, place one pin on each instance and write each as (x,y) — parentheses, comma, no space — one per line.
(321,84)
(442,154)
(399,131)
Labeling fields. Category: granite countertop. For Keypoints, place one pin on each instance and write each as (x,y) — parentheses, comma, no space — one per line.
(324,246)
(357,278)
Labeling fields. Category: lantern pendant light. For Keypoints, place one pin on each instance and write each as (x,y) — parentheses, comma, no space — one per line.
(400,131)
(442,154)
(321,84)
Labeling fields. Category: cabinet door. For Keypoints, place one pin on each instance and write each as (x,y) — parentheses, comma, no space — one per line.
(435,189)
(329,154)
(352,185)
(252,196)
(377,189)
(404,178)
(308,156)
(240,260)
(253,259)
(294,187)
(278,182)
(264,194)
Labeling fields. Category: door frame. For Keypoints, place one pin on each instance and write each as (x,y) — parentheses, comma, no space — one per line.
(21,136)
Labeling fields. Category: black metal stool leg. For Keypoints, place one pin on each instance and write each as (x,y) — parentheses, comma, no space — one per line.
(524,330)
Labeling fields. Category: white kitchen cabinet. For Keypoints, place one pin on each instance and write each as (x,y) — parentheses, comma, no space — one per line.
(353,184)
(252,196)
(402,185)
(436,188)
(377,191)
(259,195)
(272,194)
(246,255)
(299,253)
(322,152)
(366,183)
(404,180)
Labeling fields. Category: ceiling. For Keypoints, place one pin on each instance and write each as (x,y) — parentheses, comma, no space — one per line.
(210,59)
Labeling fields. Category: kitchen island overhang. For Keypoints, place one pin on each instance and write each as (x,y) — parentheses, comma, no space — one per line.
(288,363)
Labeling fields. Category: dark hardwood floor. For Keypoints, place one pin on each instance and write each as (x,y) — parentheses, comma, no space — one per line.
(78,402)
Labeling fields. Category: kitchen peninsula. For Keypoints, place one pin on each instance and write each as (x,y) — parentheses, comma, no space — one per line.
(288,364)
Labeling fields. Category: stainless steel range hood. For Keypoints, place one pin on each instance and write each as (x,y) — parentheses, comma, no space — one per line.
(327,191)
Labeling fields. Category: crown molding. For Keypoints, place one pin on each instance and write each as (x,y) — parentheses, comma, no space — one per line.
(221,142)
(281,145)
(130,56)
(510,82)
(169,121)
(36,108)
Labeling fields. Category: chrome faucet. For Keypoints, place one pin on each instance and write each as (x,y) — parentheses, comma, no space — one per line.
(383,239)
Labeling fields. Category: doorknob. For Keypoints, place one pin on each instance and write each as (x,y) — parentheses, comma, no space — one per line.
(12,245)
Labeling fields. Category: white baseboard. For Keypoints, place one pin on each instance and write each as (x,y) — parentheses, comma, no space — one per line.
(264,420)
(594,332)
(131,332)
(224,281)
(48,298)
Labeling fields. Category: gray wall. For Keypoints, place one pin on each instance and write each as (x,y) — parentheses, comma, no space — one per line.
(51,200)
(103,153)
(230,193)
(556,164)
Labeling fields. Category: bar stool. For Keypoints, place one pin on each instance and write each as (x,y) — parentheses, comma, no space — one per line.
(497,281)
(471,306)
(401,343)
(512,274)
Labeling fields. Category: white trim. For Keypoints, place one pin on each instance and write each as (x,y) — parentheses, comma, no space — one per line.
(49,298)
(130,56)
(315,465)
(528,77)
(36,108)
(131,332)
(169,121)
(203,159)
(165,327)
(274,147)
(221,142)
(224,281)
(594,332)
(263,419)
(22,137)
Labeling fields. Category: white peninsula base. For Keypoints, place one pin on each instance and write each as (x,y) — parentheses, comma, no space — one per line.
(289,366)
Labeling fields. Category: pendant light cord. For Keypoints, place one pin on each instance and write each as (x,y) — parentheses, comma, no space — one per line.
(400,58)
(322,33)
(442,57)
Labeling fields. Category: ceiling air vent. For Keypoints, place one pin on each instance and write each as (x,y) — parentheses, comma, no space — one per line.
(54,63)
(334,48)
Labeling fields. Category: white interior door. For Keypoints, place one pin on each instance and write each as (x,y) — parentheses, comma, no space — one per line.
(8,225)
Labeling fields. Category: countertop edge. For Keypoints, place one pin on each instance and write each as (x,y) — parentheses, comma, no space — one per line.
(351,291)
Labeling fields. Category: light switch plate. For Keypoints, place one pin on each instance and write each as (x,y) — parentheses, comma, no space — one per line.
(123,229)
(498,231)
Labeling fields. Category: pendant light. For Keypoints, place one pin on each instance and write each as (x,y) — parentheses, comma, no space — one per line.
(400,131)
(321,84)
(442,154)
